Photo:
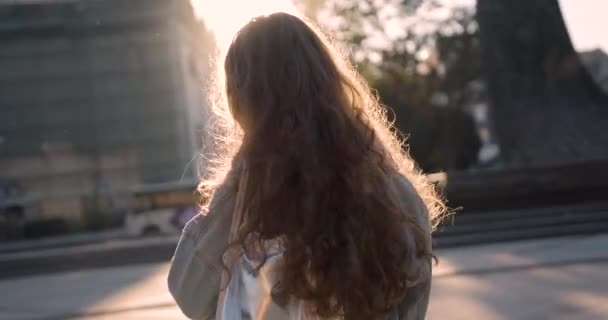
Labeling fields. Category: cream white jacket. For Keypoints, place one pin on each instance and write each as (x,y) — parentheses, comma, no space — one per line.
(195,274)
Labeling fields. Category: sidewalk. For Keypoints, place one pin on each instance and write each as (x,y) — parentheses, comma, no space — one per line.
(62,241)
(107,251)
(562,278)
(521,255)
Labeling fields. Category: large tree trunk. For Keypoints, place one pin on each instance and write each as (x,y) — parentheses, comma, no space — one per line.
(545,107)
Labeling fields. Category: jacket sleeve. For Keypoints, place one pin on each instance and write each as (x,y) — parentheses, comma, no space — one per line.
(413,205)
(195,273)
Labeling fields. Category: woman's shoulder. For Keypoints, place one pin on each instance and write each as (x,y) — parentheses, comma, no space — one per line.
(410,200)
(219,208)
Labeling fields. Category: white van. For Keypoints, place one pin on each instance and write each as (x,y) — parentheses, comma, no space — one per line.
(161,209)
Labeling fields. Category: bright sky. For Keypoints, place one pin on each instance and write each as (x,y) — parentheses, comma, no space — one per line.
(226,17)
(587,20)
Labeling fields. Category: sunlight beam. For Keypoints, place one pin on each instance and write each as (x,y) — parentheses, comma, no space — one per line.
(226,17)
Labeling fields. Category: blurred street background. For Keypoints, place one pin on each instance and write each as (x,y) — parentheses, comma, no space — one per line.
(104,116)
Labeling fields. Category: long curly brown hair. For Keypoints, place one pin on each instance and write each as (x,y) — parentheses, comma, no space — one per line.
(320,159)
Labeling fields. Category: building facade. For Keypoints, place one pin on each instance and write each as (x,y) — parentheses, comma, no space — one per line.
(96,96)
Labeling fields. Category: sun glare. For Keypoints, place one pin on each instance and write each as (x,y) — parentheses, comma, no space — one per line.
(226,17)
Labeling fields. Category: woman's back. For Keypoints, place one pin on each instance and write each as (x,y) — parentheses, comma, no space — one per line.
(248,295)
(322,212)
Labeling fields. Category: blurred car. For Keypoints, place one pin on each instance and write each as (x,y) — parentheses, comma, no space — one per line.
(161,209)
